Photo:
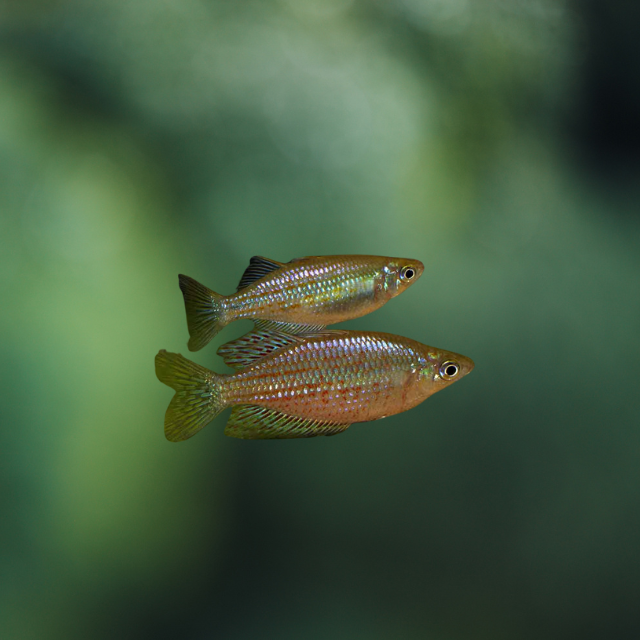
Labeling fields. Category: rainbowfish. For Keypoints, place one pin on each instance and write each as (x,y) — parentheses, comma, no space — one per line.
(296,386)
(317,291)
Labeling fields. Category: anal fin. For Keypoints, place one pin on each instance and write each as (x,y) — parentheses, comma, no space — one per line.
(289,327)
(253,422)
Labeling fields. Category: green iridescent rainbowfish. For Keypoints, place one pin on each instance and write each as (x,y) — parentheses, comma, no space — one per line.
(296,386)
(316,291)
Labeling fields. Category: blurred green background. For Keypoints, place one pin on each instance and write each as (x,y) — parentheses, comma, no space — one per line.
(496,141)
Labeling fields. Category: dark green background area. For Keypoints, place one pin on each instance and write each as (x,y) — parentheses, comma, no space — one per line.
(498,142)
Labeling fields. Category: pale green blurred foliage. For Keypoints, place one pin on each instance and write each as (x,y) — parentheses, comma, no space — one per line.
(82,330)
(143,139)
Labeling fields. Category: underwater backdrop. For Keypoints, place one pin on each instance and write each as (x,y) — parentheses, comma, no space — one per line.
(496,141)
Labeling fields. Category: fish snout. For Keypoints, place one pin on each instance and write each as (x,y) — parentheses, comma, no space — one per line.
(419,267)
(466,365)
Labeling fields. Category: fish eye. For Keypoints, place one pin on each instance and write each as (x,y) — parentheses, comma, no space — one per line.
(407,273)
(449,370)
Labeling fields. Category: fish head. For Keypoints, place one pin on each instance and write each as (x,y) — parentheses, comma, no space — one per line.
(442,368)
(398,274)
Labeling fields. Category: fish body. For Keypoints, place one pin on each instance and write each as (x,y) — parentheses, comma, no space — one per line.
(316,291)
(306,385)
(344,377)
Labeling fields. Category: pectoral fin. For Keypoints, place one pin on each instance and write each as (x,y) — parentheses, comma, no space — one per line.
(253,422)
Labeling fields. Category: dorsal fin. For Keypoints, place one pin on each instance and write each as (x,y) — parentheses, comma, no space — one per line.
(253,422)
(253,346)
(258,268)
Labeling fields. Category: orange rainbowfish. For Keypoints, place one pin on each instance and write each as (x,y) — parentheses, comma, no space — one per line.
(296,386)
(314,291)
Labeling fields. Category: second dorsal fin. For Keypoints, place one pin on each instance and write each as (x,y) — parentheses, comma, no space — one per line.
(264,339)
(258,268)
(253,346)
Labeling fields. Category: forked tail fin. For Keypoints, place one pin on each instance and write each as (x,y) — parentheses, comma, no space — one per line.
(197,400)
(204,312)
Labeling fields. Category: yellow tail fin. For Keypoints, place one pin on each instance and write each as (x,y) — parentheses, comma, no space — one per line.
(197,400)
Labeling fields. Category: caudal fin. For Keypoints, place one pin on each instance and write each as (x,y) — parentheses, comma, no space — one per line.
(197,400)
(204,312)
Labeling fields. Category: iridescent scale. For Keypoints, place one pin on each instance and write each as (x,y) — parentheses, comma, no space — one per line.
(316,291)
(344,378)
